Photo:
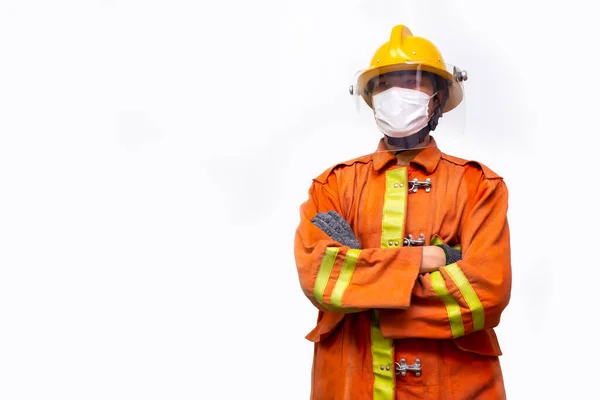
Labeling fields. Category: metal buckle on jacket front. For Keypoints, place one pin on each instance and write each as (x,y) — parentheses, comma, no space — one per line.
(415,184)
(409,241)
(402,367)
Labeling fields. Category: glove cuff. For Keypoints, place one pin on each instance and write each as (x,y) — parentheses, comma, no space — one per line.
(452,255)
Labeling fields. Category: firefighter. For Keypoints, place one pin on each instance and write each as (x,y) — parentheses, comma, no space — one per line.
(405,251)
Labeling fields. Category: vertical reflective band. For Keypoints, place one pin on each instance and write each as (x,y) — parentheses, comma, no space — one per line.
(392,236)
(394,208)
(468,294)
(383,363)
(325,272)
(344,278)
(452,307)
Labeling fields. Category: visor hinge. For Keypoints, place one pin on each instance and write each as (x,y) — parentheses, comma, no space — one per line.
(409,241)
(402,367)
(460,75)
(415,184)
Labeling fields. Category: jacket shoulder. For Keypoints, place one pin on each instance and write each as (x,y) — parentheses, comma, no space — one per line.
(324,176)
(487,172)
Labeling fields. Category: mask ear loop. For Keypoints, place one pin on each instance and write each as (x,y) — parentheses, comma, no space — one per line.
(437,113)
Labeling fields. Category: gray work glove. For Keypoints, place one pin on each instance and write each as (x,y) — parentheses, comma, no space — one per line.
(337,228)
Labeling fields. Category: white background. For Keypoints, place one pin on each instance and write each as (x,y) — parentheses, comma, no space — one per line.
(153,156)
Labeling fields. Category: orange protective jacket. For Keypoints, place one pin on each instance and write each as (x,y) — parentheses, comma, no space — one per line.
(376,311)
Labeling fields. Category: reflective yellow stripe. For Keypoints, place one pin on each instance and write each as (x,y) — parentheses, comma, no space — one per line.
(392,236)
(435,240)
(325,272)
(394,208)
(452,307)
(345,276)
(383,362)
(468,294)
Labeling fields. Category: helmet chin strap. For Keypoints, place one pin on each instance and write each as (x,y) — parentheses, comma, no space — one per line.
(412,141)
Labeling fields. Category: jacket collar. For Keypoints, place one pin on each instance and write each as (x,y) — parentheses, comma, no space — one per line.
(428,158)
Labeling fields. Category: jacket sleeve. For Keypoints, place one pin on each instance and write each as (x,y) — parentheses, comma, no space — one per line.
(340,279)
(468,295)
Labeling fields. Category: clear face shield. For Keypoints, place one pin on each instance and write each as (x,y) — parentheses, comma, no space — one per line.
(400,109)
(410,106)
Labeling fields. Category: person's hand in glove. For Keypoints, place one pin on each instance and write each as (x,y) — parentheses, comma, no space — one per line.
(334,225)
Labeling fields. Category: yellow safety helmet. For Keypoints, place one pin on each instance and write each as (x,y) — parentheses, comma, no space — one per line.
(407,52)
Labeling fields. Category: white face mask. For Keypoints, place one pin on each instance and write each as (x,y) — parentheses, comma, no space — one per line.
(400,112)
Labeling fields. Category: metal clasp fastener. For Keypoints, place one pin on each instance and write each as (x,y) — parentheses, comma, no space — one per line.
(402,367)
(409,241)
(415,184)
